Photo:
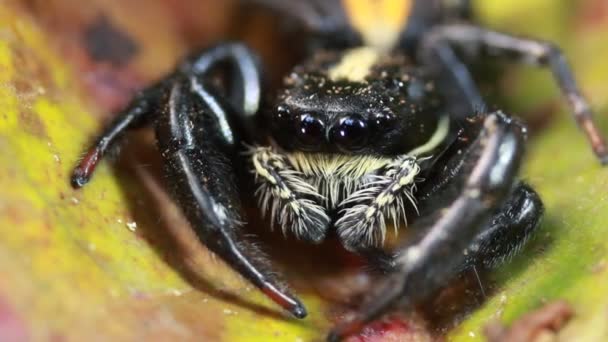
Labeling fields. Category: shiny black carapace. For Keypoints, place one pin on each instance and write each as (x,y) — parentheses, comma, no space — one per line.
(372,127)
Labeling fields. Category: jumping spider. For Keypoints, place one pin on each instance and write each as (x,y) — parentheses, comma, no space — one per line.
(368,128)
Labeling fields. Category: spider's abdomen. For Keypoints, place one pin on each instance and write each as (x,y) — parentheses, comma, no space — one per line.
(380,23)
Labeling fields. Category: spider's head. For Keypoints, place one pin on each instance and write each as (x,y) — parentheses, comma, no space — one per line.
(355,103)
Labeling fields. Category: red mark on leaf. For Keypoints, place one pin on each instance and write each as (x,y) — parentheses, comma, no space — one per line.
(12,327)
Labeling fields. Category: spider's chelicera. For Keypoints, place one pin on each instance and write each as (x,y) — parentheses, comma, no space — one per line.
(365,132)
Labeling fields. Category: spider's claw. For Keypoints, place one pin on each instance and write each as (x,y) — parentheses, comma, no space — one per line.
(299,311)
(286,301)
(82,173)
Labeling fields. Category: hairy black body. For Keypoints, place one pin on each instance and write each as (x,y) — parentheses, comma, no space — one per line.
(363,131)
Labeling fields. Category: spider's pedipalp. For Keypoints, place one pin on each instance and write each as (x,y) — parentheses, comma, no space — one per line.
(363,218)
(293,203)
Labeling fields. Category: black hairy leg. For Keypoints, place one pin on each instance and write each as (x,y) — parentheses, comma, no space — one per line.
(457,84)
(510,227)
(487,172)
(145,104)
(195,129)
(198,161)
(508,231)
(475,42)
(136,115)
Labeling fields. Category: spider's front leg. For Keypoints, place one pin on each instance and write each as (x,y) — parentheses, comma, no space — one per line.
(142,110)
(477,41)
(137,114)
(508,231)
(198,161)
(483,173)
(199,143)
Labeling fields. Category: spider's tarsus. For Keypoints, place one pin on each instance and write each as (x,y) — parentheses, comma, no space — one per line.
(82,173)
(286,301)
(299,311)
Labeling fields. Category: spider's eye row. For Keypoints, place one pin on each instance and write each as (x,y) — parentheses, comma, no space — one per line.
(350,133)
(310,130)
(383,121)
(282,115)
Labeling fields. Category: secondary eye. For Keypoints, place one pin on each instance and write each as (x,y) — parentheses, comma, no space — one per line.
(351,133)
(384,121)
(309,130)
(281,118)
(281,113)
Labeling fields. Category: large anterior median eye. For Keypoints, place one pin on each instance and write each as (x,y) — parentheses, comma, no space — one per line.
(309,130)
(350,133)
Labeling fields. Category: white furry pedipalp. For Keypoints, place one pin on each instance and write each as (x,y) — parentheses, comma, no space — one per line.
(291,201)
(299,189)
(363,219)
(336,176)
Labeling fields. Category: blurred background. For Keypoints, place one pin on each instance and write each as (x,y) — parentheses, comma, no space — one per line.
(116,261)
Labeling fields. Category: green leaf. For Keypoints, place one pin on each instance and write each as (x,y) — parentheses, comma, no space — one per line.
(117,261)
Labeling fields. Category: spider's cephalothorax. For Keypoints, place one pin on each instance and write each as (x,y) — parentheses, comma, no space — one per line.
(347,129)
(374,124)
